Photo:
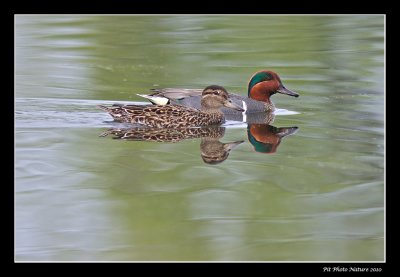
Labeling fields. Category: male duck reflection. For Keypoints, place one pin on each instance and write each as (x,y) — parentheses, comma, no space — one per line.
(262,85)
(173,116)
(212,150)
(266,138)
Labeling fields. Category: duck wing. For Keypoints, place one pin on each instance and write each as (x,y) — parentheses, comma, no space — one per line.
(176,93)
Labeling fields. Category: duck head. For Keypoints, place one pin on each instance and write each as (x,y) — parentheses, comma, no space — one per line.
(265,83)
(266,138)
(215,97)
(214,152)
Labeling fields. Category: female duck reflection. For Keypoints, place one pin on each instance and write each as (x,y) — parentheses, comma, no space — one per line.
(212,150)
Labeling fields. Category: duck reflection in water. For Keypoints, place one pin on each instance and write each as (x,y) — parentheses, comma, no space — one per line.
(266,138)
(211,149)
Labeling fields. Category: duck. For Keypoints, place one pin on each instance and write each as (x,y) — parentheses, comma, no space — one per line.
(213,98)
(262,85)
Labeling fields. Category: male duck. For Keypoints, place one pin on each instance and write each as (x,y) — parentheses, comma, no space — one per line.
(173,116)
(262,85)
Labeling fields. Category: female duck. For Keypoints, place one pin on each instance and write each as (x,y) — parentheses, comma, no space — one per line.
(262,85)
(173,116)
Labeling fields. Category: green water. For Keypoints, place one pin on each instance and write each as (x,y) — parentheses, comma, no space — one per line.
(318,197)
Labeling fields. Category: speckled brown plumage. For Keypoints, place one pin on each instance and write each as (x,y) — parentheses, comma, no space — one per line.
(164,116)
(212,150)
(175,116)
(165,134)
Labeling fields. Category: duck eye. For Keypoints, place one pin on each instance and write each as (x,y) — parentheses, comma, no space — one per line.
(268,77)
(216,92)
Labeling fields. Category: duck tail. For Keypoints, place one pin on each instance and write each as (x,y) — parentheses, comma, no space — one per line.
(155,100)
(104,108)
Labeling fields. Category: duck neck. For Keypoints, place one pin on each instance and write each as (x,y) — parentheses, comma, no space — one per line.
(212,112)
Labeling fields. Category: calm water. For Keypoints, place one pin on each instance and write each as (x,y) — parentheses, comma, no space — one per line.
(317,196)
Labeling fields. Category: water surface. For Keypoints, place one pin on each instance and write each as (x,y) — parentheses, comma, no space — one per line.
(318,197)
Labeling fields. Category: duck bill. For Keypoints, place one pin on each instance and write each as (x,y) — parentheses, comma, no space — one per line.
(231,105)
(286,91)
(232,145)
(286,131)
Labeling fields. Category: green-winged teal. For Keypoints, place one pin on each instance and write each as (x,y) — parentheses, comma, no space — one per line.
(174,116)
(262,85)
